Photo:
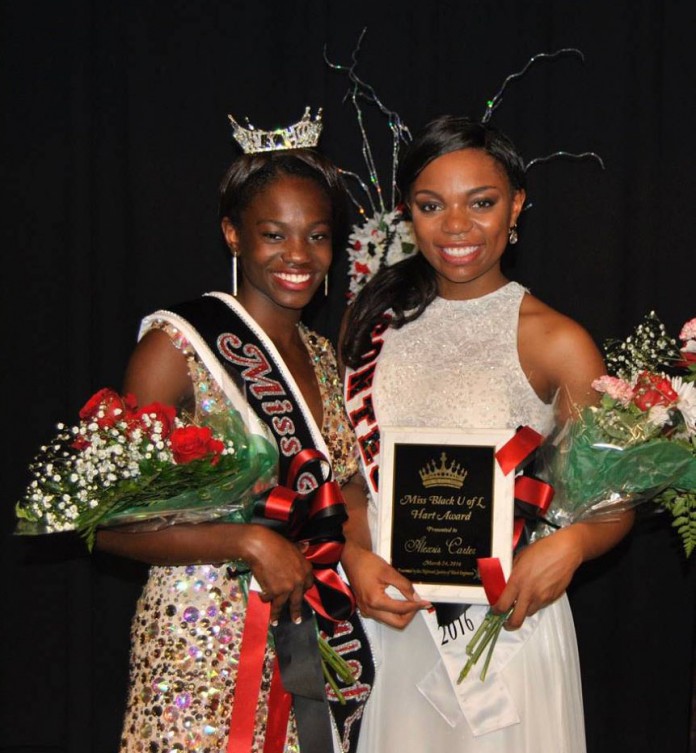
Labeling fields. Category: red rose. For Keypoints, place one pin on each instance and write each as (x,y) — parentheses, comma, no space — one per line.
(165,414)
(688,358)
(80,444)
(112,407)
(652,389)
(194,442)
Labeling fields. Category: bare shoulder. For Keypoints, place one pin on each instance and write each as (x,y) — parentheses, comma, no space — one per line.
(157,371)
(557,353)
(542,325)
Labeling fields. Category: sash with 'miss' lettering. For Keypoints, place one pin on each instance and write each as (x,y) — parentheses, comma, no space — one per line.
(234,348)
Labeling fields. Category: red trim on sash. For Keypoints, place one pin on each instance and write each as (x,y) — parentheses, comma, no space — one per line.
(358,397)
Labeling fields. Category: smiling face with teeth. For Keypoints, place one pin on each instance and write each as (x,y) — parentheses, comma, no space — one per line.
(463,207)
(283,241)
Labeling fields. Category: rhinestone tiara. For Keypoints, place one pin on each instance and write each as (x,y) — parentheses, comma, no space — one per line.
(301,135)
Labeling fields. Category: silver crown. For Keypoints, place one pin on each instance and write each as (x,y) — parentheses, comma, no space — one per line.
(301,135)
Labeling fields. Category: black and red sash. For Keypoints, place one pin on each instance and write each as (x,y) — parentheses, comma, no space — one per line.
(307,506)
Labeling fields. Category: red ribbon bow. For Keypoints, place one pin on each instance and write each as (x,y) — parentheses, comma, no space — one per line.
(315,516)
(530,493)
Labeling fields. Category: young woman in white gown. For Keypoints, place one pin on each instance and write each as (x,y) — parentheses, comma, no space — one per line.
(465,347)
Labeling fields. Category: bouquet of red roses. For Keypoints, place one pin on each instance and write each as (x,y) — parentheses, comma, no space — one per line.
(144,467)
(128,465)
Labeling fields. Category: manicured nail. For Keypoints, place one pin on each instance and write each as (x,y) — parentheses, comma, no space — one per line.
(298,620)
(274,623)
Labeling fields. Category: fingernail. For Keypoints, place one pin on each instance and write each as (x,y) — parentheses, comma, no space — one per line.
(298,620)
(274,623)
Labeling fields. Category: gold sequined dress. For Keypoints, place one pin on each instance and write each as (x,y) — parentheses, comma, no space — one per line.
(187,628)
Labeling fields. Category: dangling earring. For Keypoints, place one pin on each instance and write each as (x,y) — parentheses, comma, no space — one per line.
(512,235)
(234,273)
(326,285)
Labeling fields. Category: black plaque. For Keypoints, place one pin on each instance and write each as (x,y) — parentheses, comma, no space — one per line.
(445,503)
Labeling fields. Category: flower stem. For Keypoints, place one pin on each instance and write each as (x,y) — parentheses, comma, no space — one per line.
(330,659)
(332,682)
(485,636)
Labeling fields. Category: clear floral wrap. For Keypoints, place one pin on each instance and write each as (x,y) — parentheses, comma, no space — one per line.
(122,465)
(639,444)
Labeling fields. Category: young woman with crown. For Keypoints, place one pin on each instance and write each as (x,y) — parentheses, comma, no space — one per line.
(443,339)
(282,212)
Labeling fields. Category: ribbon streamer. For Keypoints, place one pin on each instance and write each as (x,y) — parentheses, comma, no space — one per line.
(249,673)
(492,577)
(279,704)
(315,517)
(532,498)
(516,451)
(533,493)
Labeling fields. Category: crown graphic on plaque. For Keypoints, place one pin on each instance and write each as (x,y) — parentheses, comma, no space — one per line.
(451,475)
(301,135)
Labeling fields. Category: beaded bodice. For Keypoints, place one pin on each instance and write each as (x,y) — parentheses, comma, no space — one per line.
(457,365)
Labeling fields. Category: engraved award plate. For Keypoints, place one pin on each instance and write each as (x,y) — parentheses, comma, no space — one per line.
(444,503)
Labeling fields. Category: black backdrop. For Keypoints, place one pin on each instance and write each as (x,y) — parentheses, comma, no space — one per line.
(114,136)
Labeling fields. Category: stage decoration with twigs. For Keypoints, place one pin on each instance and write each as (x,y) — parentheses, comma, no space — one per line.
(493,103)
(383,235)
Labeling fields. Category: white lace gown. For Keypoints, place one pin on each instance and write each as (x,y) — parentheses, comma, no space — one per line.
(457,366)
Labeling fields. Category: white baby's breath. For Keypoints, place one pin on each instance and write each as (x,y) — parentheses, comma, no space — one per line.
(120,460)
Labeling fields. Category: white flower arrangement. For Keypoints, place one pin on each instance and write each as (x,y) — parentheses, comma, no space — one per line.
(379,241)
